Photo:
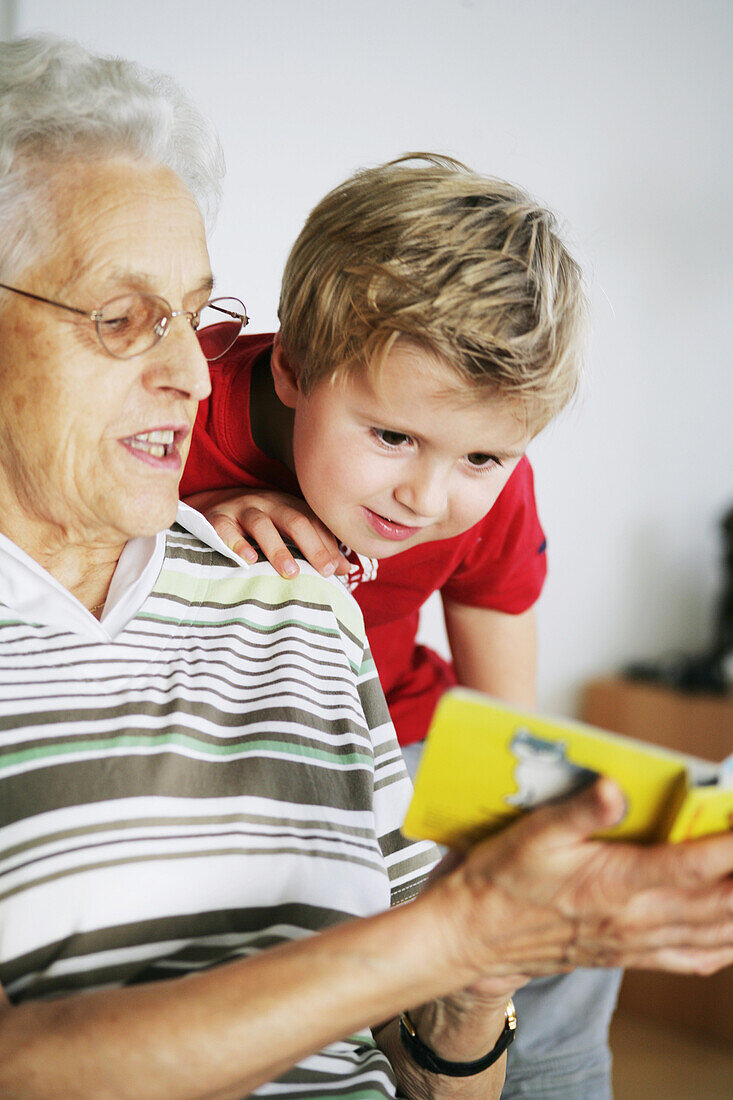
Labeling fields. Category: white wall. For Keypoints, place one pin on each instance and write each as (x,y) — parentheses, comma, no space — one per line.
(7,18)
(617,114)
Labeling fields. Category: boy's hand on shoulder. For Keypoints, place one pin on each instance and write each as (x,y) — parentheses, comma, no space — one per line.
(244,517)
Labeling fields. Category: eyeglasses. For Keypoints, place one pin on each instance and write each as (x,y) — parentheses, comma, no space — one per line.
(134,323)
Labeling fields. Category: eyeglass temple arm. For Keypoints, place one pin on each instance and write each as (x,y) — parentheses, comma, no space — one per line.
(49,301)
(229,312)
(96,314)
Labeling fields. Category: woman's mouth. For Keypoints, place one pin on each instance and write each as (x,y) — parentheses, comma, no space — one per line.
(386,528)
(157,448)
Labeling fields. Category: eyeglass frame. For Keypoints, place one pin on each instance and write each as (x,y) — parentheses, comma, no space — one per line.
(96,316)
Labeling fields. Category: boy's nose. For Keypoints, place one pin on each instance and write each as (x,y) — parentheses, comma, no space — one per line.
(425,492)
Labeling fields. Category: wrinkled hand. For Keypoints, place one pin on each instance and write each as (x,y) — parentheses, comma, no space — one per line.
(541,897)
(264,516)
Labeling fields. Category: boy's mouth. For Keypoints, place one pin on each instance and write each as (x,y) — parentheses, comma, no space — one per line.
(387,528)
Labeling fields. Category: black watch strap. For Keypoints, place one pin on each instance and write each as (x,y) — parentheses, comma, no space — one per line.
(428,1059)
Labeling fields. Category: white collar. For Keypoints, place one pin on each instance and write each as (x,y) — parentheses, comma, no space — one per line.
(35,596)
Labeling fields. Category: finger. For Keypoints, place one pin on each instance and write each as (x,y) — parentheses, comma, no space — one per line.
(302,525)
(665,919)
(683,961)
(262,529)
(293,518)
(546,853)
(341,562)
(598,806)
(656,920)
(607,948)
(601,944)
(315,541)
(690,866)
(230,532)
(667,907)
(716,935)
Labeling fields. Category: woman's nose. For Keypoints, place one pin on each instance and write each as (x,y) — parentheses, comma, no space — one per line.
(180,363)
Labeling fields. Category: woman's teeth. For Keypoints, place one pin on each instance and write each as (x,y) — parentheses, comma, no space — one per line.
(156,443)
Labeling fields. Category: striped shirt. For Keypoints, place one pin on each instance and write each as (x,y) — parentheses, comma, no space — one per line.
(213,777)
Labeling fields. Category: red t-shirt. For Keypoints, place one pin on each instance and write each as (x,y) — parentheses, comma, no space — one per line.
(500,563)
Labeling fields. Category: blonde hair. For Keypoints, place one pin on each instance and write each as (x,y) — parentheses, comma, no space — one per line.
(467,267)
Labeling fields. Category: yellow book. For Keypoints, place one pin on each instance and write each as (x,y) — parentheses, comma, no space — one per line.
(484,763)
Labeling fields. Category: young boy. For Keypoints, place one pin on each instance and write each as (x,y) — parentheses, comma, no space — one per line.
(431,325)
(459,294)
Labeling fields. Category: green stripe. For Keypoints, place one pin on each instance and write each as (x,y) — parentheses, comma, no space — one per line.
(239,620)
(362,1039)
(269,588)
(161,744)
(368,667)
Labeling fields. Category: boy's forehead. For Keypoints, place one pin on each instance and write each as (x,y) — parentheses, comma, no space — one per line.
(408,373)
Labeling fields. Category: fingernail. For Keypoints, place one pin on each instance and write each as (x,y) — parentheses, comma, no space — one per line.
(246,552)
(328,570)
(290,568)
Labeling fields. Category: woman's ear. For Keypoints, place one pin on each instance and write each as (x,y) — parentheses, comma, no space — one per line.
(284,375)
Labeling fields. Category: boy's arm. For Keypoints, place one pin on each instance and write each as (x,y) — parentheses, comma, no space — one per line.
(493,651)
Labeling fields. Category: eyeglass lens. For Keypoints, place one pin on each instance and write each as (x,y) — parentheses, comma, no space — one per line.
(219,326)
(131,325)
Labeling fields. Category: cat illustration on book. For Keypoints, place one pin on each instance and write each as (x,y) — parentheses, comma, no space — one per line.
(543,771)
(485,762)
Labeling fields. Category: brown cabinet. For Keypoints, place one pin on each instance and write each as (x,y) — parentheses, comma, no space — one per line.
(703,726)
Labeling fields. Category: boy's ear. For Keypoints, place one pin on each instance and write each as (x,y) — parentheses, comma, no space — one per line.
(284,375)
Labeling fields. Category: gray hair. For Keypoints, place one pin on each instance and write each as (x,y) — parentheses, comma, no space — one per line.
(58,100)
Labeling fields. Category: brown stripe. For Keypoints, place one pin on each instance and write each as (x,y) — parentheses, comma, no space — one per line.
(192,926)
(176,776)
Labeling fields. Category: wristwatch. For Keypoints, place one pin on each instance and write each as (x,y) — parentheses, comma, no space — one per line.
(428,1059)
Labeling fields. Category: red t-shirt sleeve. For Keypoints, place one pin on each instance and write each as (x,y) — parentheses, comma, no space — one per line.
(223,453)
(207,467)
(505,565)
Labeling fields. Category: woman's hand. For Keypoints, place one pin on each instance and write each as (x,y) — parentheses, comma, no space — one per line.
(264,516)
(542,898)
(558,900)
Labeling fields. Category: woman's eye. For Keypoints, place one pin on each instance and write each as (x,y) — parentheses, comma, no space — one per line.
(480,461)
(391,439)
(112,323)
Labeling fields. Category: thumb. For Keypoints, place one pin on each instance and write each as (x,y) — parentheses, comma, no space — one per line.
(598,806)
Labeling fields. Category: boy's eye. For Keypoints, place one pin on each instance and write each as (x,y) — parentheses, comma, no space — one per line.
(391,439)
(481,461)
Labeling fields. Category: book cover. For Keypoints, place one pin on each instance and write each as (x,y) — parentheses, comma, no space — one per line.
(485,762)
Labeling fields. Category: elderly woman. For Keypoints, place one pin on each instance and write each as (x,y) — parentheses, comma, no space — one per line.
(198,784)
